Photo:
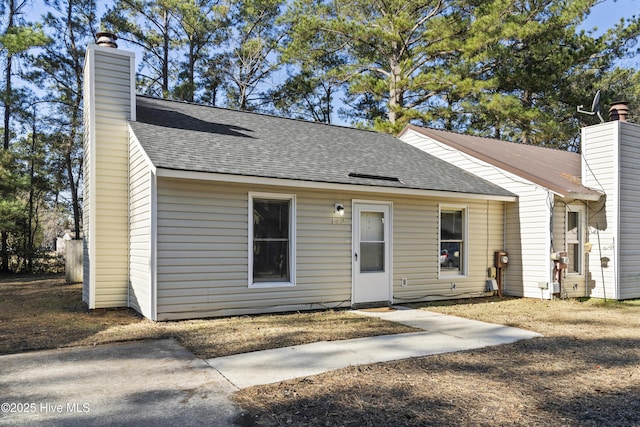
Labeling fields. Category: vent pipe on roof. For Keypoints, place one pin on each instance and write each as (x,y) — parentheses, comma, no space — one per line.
(619,111)
(106,39)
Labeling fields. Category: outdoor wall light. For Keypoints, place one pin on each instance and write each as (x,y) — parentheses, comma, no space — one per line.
(339,209)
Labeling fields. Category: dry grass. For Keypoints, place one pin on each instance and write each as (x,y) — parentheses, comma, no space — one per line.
(584,372)
(43,313)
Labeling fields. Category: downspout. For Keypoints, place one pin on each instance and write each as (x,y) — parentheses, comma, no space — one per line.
(486,247)
(585,254)
(551,248)
(616,270)
(128,219)
(504,238)
(604,286)
(504,225)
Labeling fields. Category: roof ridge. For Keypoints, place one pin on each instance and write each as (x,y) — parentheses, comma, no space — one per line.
(154,98)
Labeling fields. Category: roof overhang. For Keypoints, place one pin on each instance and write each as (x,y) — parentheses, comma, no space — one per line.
(557,186)
(279,182)
(590,197)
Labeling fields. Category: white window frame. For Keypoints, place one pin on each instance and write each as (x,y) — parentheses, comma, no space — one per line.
(292,239)
(465,240)
(581,210)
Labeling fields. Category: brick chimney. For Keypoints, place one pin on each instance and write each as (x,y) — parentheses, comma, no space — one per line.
(619,111)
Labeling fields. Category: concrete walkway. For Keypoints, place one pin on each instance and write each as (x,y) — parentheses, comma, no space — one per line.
(161,383)
(442,334)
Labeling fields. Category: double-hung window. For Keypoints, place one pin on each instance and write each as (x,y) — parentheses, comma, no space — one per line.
(453,235)
(271,240)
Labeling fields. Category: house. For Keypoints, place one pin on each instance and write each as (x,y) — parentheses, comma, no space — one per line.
(194,211)
(573,231)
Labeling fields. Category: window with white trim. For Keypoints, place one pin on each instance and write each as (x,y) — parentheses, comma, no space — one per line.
(271,240)
(453,222)
(574,238)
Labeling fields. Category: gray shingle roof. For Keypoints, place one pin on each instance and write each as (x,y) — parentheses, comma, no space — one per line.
(191,137)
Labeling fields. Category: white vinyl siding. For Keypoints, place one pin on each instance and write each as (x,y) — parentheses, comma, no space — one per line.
(600,159)
(203,262)
(140,231)
(527,221)
(629,244)
(108,97)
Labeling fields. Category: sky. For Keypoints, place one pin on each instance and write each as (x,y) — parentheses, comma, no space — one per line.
(608,13)
(602,17)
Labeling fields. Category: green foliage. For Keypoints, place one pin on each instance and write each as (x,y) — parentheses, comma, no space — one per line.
(622,84)
(11,182)
(395,51)
(514,69)
(531,66)
(17,40)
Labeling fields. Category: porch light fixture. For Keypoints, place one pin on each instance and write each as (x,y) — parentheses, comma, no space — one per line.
(339,209)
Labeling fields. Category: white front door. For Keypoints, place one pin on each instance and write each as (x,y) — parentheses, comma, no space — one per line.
(371,253)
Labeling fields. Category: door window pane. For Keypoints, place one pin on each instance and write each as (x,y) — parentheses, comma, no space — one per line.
(573,253)
(372,226)
(372,257)
(372,245)
(574,241)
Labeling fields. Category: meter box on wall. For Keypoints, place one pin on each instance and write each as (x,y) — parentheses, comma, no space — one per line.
(501,259)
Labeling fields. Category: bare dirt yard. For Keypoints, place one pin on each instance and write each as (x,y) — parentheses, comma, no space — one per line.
(585,371)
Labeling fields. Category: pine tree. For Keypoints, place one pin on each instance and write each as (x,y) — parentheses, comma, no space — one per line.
(151,25)
(396,52)
(204,25)
(253,55)
(59,68)
(17,37)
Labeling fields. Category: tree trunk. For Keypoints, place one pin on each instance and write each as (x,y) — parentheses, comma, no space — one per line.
(75,126)
(396,92)
(4,268)
(192,72)
(165,58)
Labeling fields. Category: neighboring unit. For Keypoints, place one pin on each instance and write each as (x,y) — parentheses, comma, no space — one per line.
(574,229)
(195,211)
